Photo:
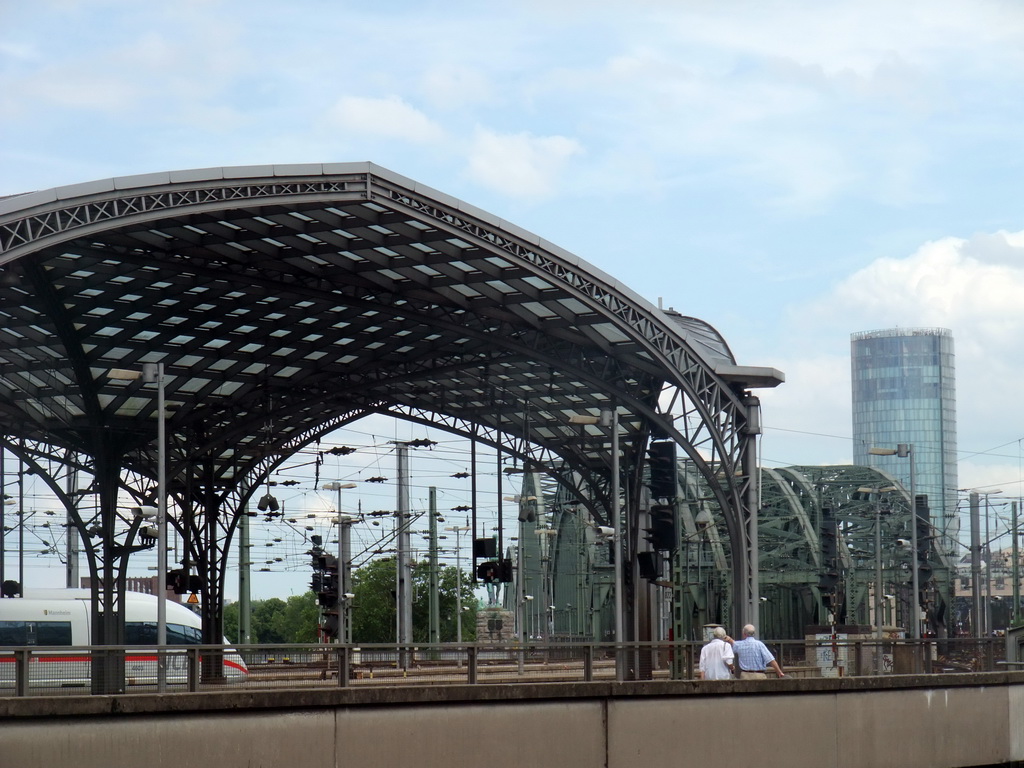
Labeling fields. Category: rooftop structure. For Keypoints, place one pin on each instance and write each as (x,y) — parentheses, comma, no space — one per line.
(904,393)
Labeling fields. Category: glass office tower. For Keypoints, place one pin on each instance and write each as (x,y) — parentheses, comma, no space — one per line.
(904,391)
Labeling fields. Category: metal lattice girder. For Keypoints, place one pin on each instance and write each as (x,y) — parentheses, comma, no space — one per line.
(284,300)
(791,520)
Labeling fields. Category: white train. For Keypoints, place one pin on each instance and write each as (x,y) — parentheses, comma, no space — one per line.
(55,618)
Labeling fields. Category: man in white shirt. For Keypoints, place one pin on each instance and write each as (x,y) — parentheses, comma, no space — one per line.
(716,658)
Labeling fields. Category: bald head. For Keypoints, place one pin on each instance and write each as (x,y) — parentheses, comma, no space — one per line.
(749,631)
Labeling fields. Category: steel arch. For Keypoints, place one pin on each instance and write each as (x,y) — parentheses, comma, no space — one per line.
(419,292)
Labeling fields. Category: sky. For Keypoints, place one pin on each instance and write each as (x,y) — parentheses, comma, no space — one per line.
(790,172)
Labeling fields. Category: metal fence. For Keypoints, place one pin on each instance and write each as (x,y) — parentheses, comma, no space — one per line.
(50,671)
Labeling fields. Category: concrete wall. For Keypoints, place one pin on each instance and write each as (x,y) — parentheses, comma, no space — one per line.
(931,722)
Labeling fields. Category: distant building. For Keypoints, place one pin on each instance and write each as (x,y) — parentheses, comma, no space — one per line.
(904,392)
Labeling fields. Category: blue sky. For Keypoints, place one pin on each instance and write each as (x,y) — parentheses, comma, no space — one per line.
(790,172)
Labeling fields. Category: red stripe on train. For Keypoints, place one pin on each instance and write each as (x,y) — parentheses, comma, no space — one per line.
(81,659)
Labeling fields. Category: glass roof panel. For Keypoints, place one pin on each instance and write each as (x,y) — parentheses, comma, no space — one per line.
(575,306)
(538,282)
(501,286)
(538,309)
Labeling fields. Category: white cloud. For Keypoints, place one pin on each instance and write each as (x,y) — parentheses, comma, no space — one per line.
(389,117)
(807,420)
(450,87)
(520,164)
(972,286)
(953,282)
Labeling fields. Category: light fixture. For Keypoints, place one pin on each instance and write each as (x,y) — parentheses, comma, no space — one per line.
(334,486)
(268,502)
(605,419)
(153,373)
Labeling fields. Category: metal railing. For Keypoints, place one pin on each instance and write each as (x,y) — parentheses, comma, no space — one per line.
(52,671)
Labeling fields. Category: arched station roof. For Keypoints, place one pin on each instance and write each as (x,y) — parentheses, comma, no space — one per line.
(285,294)
(285,301)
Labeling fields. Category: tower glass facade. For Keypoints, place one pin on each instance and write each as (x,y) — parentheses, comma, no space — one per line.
(904,391)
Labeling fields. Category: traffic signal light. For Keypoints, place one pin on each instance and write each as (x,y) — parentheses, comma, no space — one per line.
(484,548)
(331,624)
(662,463)
(489,572)
(324,562)
(828,581)
(663,533)
(327,589)
(828,534)
(505,571)
(10,588)
(178,581)
(325,579)
(649,564)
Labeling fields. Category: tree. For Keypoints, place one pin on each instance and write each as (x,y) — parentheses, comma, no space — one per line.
(231,612)
(277,621)
(300,619)
(374,606)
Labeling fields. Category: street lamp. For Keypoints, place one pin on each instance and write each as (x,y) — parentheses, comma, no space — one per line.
(458,530)
(988,563)
(904,451)
(154,373)
(877,493)
(610,418)
(7,502)
(344,569)
(545,539)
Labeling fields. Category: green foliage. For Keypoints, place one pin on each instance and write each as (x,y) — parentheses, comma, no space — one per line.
(300,619)
(231,622)
(374,607)
(277,621)
(373,613)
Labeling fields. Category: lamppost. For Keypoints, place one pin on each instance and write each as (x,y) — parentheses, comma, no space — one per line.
(610,418)
(877,493)
(988,564)
(154,373)
(546,541)
(1015,550)
(6,502)
(903,451)
(458,530)
(344,564)
(976,615)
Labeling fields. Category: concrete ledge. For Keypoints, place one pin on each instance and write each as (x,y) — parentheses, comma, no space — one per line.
(924,721)
(306,699)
